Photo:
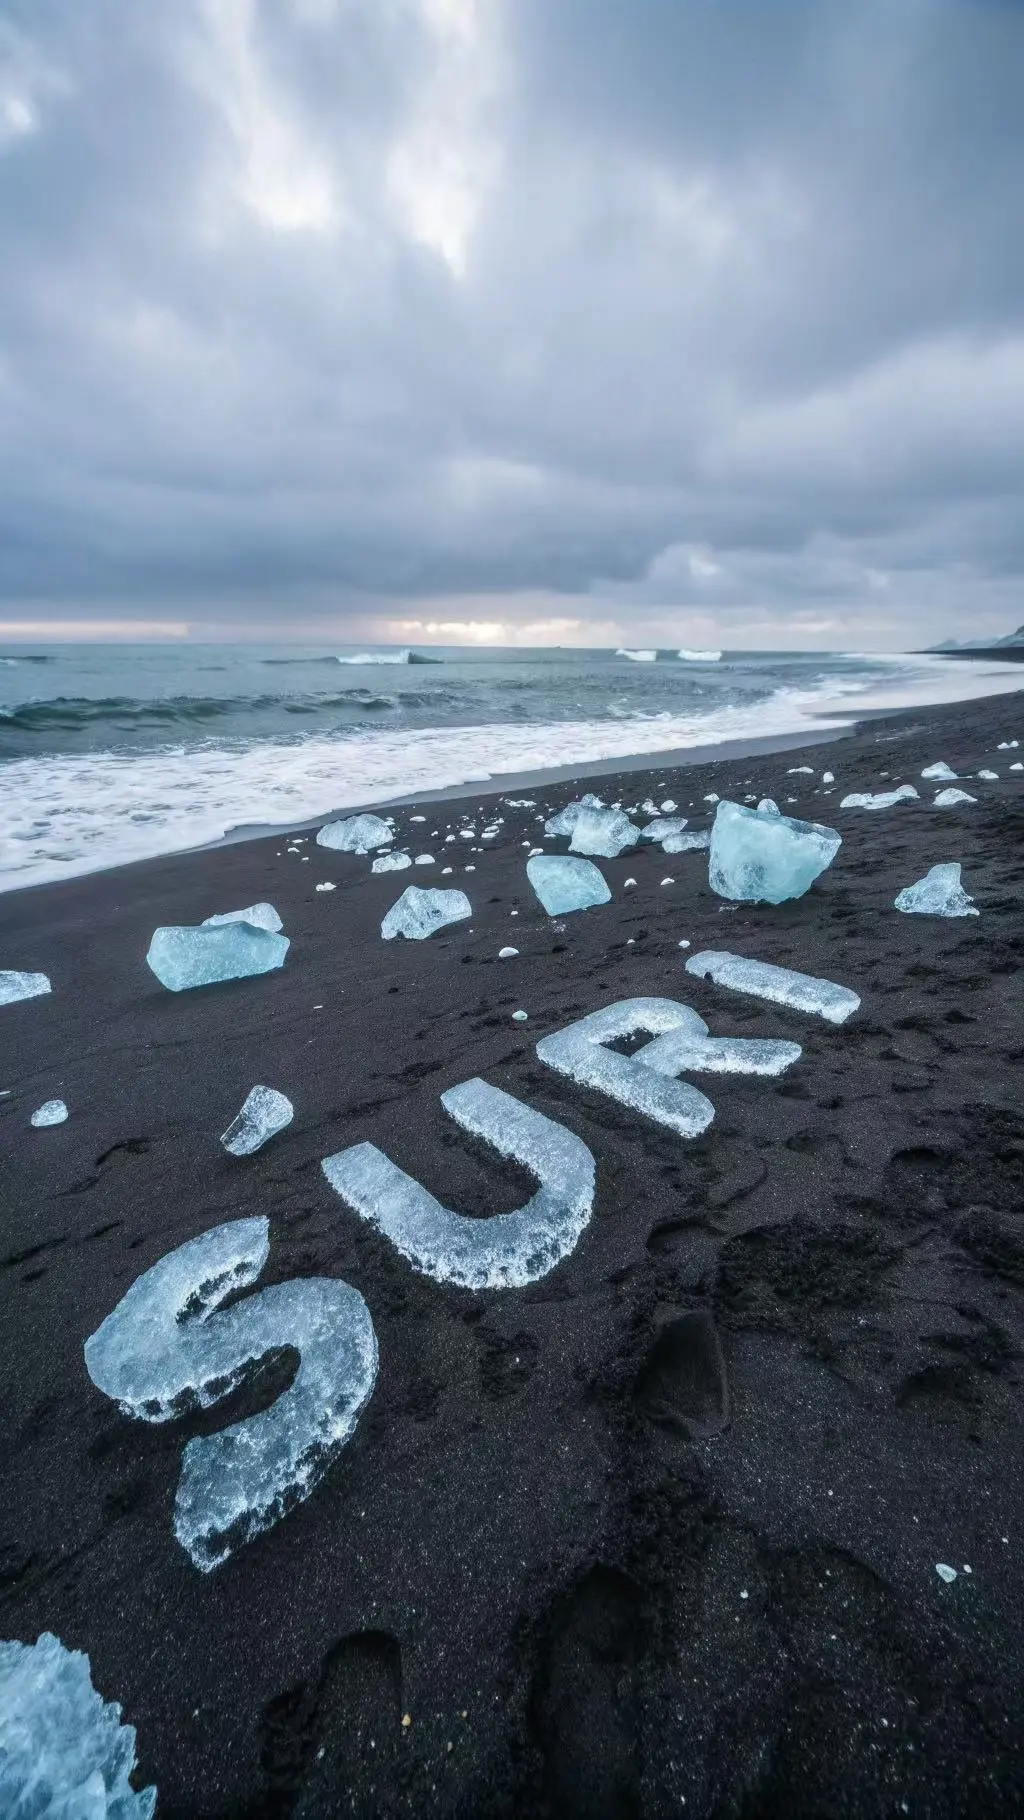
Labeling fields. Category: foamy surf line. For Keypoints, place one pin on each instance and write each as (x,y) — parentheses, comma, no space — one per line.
(66,815)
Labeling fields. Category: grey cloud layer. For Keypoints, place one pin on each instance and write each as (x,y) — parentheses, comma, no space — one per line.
(709,306)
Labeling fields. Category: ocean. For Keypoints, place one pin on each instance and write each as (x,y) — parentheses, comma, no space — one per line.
(111,753)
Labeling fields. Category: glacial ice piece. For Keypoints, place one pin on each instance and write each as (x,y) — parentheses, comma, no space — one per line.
(765,859)
(391,862)
(691,1048)
(169,1346)
(800,771)
(564,884)
(51,1112)
(264,1113)
(663,828)
(604,832)
(948,799)
(828,777)
(507,954)
(1017,767)
(506,1251)
(768,806)
(687,843)
(15,986)
(989,777)
(64,1754)
(880,799)
(580,1052)
(783,986)
(419,913)
(356,834)
(938,893)
(565,821)
(668,806)
(1007,745)
(183,957)
(939,774)
(260,916)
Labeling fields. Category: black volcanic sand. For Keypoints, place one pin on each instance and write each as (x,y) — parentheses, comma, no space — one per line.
(657,1535)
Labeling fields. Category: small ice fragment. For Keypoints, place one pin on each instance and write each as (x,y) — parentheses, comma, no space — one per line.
(445,870)
(668,881)
(687,843)
(605,832)
(628,884)
(684,943)
(519,1017)
(939,773)
(800,771)
(51,1112)
(423,859)
(760,859)
(990,777)
(467,834)
(418,913)
(768,806)
(948,799)
(938,893)
(15,986)
(356,834)
(391,862)
(945,1572)
(880,799)
(183,957)
(663,827)
(326,886)
(417,818)
(507,954)
(667,806)
(505,1251)
(1017,767)
(565,820)
(712,798)
(170,1346)
(1007,745)
(264,1113)
(520,802)
(781,985)
(827,777)
(580,1052)
(565,884)
(258,916)
(64,1754)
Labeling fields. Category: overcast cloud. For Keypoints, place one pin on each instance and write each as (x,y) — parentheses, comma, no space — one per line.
(570,320)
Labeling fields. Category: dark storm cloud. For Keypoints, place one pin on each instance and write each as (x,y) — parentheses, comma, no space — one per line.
(693,312)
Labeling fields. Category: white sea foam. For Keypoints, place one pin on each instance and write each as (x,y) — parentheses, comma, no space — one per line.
(699,657)
(637,657)
(378,657)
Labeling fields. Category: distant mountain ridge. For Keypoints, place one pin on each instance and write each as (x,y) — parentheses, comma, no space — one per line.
(980,644)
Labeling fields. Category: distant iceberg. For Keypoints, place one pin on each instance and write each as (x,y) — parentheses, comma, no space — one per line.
(637,657)
(699,657)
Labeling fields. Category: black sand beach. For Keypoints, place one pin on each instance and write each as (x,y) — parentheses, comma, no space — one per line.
(657,1535)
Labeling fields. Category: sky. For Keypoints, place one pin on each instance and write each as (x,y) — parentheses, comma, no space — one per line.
(513,321)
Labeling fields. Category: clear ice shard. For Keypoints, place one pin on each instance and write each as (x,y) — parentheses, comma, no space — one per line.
(14,986)
(169,1346)
(580,1052)
(880,799)
(356,834)
(939,773)
(506,1251)
(938,893)
(687,843)
(182,957)
(690,1048)
(781,985)
(604,832)
(419,913)
(64,1754)
(663,828)
(264,1113)
(765,859)
(565,821)
(391,862)
(51,1112)
(261,916)
(948,799)
(565,884)
(768,806)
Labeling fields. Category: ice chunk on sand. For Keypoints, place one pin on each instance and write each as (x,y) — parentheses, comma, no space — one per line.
(264,1112)
(580,1052)
(505,1251)
(183,957)
(520,1017)
(1007,745)
(828,777)
(419,913)
(768,806)
(690,1048)
(800,991)
(800,771)
(989,777)
(391,862)
(663,827)
(356,834)
(765,859)
(1017,767)
(948,799)
(64,1754)
(939,773)
(880,799)
(687,843)
(938,893)
(667,806)
(605,832)
(259,916)
(566,884)
(51,1112)
(169,1346)
(507,954)
(565,821)
(15,986)
(327,885)
(424,859)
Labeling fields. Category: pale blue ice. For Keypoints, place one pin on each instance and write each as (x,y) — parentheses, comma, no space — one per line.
(15,986)
(391,862)
(696,842)
(938,893)
(183,957)
(604,832)
(64,1753)
(264,1113)
(51,1112)
(764,858)
(261,916)
(565,820)
(419,913)
(506,1251)
(565,884)
(580,1051)
(663,828)
(780,985)
(950,799)
(880,799)
(356,834)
